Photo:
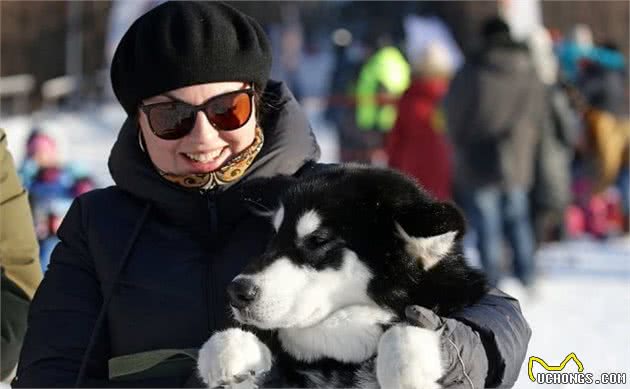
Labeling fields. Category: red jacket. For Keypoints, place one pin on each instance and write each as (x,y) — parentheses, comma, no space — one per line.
(417,144)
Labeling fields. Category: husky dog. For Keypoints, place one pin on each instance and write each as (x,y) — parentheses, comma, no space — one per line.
(354,246)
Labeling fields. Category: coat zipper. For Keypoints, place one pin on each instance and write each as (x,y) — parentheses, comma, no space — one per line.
(212,215)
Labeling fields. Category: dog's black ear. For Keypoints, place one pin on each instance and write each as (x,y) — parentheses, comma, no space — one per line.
(448,217)
(262,195)
(424,219)
(430,231)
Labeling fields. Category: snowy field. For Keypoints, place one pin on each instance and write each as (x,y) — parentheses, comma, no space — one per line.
(582,305)
(582,302)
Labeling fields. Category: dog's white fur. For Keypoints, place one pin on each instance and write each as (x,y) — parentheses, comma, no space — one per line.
(232,353)
(428,251)
(409,357)
(308,223)
(349,335)
(297,296)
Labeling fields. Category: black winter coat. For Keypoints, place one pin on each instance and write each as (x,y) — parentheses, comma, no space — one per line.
(160,258)
(494,110)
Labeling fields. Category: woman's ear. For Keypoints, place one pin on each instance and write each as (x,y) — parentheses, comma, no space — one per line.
(141,143)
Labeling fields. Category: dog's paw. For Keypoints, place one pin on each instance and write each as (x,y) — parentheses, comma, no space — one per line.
(409,358)
(233,357)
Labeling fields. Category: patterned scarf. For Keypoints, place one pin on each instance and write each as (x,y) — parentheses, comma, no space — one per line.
(231,171)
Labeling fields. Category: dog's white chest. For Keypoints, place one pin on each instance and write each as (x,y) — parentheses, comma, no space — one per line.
(348,335)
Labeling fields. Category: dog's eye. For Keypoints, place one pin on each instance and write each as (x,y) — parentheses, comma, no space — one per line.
(317,240)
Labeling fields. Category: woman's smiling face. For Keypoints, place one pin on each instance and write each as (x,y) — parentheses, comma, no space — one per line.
(204,149)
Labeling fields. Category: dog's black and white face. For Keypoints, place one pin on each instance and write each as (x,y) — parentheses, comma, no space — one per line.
(352,237)
(309,272)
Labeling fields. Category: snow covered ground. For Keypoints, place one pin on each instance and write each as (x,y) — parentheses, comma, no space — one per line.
(582,303)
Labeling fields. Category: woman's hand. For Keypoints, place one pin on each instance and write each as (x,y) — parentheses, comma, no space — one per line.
(463,358)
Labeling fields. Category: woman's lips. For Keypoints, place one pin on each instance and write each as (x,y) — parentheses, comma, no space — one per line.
(204,156)
(205,162)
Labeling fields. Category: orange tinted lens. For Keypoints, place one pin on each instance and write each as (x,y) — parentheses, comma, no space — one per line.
(231,111)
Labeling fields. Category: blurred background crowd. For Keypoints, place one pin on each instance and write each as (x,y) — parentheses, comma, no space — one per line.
(515,110)
(528,97)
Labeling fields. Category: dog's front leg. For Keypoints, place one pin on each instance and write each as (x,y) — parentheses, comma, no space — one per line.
(233,357)
(409,357)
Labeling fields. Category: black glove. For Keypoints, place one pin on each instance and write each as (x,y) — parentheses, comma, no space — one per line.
(462,351)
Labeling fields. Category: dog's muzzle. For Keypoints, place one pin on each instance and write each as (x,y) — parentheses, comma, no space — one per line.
(242,292)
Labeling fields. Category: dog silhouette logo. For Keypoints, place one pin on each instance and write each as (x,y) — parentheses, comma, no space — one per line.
(548,367)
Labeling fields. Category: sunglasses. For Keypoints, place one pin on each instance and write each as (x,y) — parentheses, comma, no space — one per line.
(176,119)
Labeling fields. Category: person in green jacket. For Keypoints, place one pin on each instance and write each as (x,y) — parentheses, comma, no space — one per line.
(19,259)
(382,80)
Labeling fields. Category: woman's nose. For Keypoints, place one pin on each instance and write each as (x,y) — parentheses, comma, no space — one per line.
(203,129)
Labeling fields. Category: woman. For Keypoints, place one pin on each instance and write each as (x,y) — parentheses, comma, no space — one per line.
(143,266)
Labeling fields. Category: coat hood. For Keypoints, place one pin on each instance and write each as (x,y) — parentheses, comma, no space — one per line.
(289,144)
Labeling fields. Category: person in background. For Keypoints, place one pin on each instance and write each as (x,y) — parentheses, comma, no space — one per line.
(602,167)
(605,88)
(578,49)
(21,273)
(601,163)
(41,152)
(341,104)
(382,80)
(560,132)
(142,267)
(605,85)
(51,186)
(493,110)
(417,144)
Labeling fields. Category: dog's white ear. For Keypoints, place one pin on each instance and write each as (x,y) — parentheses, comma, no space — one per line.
(264,213)
(428,251)
(274,217)
(277,217)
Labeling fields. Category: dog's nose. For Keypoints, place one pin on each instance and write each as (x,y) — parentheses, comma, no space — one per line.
(242,292)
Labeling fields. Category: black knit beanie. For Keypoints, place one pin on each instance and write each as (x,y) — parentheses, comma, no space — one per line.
(182,43)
